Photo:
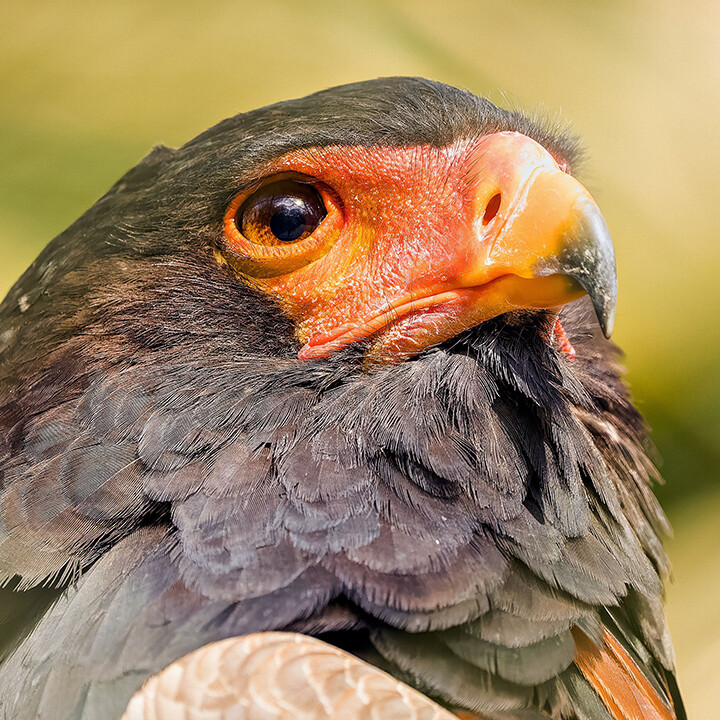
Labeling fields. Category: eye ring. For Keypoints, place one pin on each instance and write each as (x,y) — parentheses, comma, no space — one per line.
(256,250)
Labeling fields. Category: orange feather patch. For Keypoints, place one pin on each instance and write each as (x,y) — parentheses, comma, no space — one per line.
(618,681)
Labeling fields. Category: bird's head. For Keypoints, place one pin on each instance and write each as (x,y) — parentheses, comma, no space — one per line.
(392,214)
(358,290)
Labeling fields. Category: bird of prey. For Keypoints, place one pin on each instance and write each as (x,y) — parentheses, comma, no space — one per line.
(335,371)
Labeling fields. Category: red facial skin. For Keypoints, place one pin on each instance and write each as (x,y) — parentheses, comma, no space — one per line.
(419,243)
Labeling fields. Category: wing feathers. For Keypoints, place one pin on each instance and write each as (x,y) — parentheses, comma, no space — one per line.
(277,676)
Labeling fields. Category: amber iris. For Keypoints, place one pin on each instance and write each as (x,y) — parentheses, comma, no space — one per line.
(281,212)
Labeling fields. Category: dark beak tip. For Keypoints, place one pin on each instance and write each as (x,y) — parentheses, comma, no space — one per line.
(606,318)
(602,291)
(588,257)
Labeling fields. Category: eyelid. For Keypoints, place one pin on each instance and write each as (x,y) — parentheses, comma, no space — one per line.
(299,177)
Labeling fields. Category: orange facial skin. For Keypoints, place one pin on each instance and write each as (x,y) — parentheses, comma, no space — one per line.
(419,243)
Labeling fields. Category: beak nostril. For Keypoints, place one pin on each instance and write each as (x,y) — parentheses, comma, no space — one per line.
(492,208)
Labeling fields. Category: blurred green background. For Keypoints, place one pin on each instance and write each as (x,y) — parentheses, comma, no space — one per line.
(87,88)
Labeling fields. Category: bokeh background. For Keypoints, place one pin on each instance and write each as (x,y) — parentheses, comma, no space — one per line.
(87,88)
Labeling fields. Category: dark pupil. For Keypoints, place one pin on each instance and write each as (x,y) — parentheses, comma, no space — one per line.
(289,221)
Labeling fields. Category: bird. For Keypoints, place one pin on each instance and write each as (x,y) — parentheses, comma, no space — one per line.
(333,376)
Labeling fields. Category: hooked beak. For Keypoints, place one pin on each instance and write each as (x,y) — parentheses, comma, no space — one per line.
(546,226)
(586,255)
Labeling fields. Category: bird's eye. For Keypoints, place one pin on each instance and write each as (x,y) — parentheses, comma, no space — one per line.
(287,223)
(281,212)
